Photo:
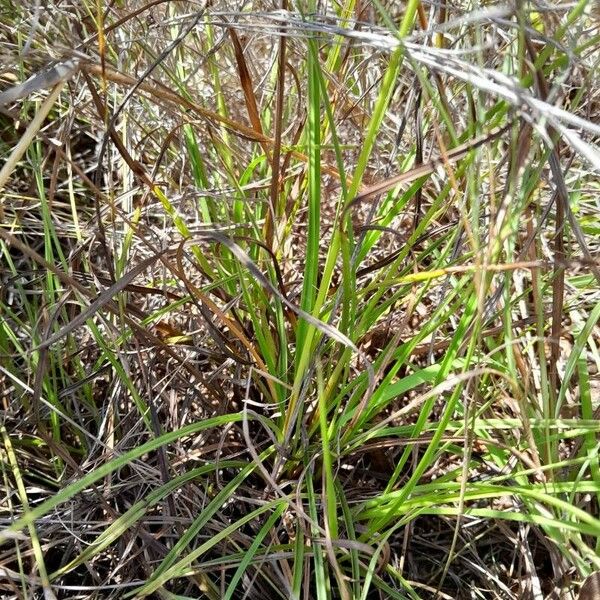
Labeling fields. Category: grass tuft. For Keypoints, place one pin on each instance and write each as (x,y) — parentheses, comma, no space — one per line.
(299,300)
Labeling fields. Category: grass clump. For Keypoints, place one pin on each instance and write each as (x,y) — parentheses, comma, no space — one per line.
(299,301)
